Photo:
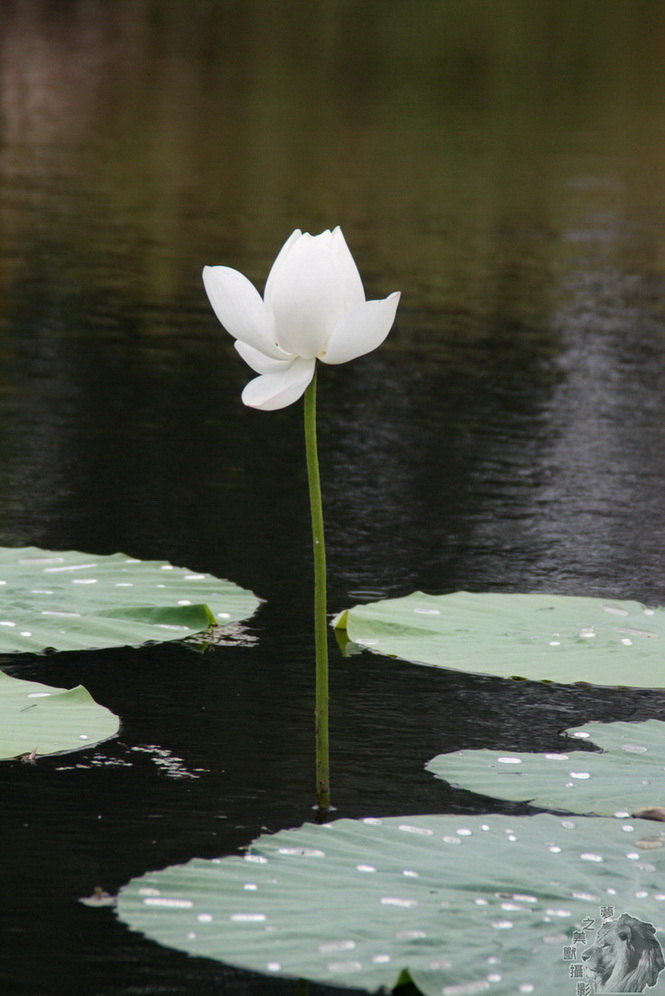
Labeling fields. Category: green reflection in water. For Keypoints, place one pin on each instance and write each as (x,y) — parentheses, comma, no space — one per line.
(498,160)
(469,144)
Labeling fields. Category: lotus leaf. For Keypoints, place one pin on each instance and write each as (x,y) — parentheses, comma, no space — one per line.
(626,777)
(542,637)
(39,719)
(457,904)
(78,601)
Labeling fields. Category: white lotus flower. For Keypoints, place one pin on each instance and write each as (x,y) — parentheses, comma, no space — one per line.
(313,308)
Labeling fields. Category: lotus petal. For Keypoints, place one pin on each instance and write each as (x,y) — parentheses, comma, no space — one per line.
(313,283)
(277,390)
(240,308)
(361,330)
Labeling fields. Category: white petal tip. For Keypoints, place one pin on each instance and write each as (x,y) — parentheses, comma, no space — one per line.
(272,391)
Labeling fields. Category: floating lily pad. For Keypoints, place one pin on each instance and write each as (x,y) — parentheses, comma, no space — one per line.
(78,601)
(39,719)
(542,637)
(627,777)
(457,904)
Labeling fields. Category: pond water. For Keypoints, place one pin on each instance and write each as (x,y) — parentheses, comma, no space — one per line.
(502,165)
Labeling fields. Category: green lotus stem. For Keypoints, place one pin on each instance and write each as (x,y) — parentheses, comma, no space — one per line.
(320,604)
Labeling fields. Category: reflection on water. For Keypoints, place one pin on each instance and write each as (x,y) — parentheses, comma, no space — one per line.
(501,164)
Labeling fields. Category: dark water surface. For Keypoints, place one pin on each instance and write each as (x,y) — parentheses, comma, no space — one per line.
(502,163)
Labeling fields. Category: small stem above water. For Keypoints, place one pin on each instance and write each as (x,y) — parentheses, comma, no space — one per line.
(320,604)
